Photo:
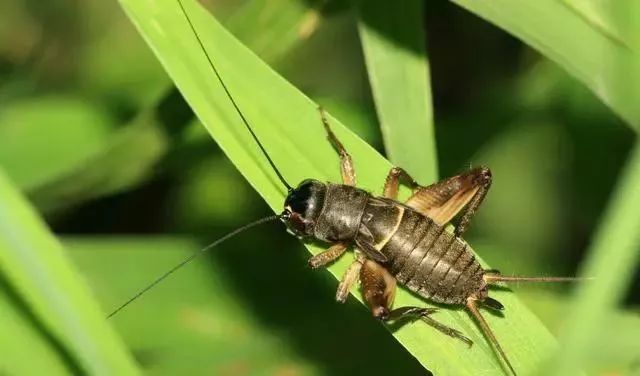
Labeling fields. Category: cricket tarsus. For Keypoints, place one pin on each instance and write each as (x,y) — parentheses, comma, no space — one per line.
(235,105)
(192,257)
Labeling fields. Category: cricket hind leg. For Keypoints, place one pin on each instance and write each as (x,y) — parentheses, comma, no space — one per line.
(378,290)
(443,200)
(346,163)
(472,307)
(482,178)
(491,277)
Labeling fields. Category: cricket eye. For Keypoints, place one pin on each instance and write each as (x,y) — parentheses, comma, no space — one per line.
(297,224)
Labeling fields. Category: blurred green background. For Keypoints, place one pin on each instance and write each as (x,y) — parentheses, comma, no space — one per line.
(93,133)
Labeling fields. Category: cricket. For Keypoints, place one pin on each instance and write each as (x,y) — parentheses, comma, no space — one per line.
(395,243)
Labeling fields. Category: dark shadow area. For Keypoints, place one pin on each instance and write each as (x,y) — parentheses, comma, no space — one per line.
(469,58)
(392,24)
(131,212)
(173,113)
(500,288)
(494,312)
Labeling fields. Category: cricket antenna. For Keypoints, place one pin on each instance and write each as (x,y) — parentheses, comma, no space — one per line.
(193,256)
(224,86)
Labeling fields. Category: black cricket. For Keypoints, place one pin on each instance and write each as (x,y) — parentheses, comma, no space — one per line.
(394,242)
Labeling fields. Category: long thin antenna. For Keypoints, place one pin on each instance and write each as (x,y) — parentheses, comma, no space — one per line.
(472,305)
(224,86)
(192,257)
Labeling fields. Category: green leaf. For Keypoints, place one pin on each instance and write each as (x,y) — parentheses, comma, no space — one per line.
(207,320)
(288,124)
(34,265)
(613,259)
(125,159)
(22,341)
(393,41)
(591,48)
(40,138)
(272,28)
(598,13)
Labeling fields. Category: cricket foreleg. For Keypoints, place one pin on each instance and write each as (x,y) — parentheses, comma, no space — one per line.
(346,163)
(333,253)
(392,182)
(378,290)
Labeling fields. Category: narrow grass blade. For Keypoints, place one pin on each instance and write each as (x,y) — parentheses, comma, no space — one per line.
(393,41)
(34,265)
(22,341)
(288,124)
(589,49)
(614,257)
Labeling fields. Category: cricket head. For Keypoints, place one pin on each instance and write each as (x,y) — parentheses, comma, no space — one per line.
(302,207)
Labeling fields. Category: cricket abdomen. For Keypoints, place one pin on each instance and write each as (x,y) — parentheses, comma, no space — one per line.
(421,254)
